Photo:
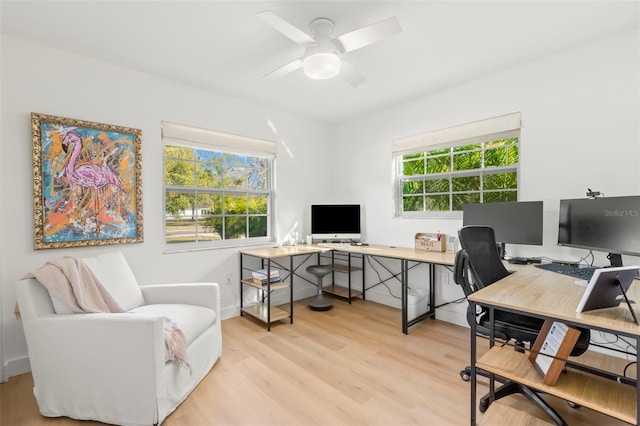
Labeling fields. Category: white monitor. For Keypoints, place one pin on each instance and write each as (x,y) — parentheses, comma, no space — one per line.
(335,222)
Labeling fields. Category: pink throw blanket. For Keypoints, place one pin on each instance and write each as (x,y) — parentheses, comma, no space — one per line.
(72,283)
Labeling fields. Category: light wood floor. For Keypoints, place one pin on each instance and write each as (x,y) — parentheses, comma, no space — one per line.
(348,366)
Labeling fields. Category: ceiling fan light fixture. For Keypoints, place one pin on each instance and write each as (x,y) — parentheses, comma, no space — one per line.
(322,58)
(321,66)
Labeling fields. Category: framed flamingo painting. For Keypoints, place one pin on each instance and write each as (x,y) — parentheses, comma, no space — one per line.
(87,185)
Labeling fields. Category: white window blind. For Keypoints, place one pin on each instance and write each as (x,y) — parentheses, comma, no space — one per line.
(478,131)
(183,135)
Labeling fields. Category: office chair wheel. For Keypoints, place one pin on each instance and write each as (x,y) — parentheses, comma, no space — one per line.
(465,376)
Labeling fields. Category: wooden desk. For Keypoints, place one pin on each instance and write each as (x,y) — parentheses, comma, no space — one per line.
(406,255)
(263,310)
(276,252)
(403,254)
(548,295)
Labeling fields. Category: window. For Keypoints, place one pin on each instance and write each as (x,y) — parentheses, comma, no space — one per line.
(217,188)
(437,173)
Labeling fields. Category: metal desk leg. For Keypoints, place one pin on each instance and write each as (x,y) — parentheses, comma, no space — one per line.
(268,295)
(637,383)
(241,271)
(291,290)
(349,275)
(432,290)
(404,280)
(362,259)
(472,364)
(492,342)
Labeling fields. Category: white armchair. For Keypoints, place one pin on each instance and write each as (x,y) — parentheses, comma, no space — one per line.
(113,367)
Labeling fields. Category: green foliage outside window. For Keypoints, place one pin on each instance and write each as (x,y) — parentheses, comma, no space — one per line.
(214,196)
(443,180)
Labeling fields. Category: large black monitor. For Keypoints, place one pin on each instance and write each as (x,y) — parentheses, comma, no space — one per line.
(608,224)
(335,222)
(517,222)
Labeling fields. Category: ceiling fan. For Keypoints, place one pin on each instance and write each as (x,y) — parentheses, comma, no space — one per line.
(323,55)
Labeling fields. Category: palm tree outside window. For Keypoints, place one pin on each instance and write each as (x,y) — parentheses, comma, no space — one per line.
(478,168)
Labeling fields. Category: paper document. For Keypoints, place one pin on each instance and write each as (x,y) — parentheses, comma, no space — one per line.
(551,345)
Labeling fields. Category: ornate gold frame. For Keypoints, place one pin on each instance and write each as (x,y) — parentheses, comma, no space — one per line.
(97,187)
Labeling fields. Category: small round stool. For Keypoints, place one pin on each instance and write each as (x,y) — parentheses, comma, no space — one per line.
(320,302)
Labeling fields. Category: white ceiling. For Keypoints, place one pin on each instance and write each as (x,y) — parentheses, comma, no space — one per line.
(223,47)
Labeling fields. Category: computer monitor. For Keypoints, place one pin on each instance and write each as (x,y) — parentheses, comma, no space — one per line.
(335,222)
(516,222)
(607,224)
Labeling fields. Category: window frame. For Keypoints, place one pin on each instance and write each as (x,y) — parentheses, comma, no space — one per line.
(219,149)
(415,147)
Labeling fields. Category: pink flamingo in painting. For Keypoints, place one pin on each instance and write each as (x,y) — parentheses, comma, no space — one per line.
(87,175)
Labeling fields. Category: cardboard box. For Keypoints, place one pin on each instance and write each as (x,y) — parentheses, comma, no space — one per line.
(431,242)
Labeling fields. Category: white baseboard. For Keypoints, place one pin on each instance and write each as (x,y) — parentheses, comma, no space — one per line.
(609,352)
(15,367)
(452,317)
(444,314)
(278,298)
(229,312)
(383,299)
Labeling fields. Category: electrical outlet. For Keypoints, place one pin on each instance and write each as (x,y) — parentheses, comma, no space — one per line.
(228,279)
(444,278)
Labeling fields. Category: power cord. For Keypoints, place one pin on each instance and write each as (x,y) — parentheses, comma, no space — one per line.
(584,259)
(380,280)
(457,301)
(615,343)
(624,372)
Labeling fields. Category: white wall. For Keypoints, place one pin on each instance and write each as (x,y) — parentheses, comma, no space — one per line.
(579,109)
(580,128)
(40,79)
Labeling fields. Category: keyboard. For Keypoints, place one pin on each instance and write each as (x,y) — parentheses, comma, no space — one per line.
(580,272)
(333,245)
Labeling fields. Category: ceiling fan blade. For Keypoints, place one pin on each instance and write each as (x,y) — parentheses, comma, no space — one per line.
(349,73)
(285,27)
(285,69)
(370,34)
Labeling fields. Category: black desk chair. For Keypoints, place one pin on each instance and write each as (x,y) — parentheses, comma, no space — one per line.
(476,266)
